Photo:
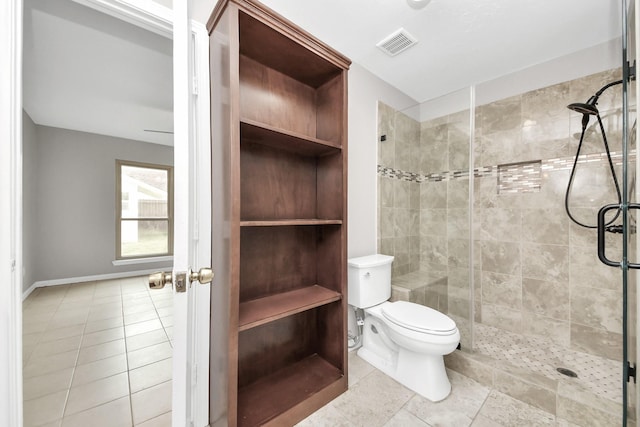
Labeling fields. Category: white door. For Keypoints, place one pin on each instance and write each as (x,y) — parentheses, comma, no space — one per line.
(192,201)
(192,217)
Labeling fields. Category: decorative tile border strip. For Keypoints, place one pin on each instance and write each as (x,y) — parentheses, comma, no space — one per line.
(520,173)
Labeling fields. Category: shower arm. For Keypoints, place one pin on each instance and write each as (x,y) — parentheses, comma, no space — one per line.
(601,91)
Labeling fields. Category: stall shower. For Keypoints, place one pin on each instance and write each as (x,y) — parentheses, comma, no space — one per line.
(471,204)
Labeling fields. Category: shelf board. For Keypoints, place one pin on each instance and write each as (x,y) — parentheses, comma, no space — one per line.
(261,133)
(268,397)
(289,222)
(264,310)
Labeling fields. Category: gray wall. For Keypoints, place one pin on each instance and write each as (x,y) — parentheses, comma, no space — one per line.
(29,200)
(69,225)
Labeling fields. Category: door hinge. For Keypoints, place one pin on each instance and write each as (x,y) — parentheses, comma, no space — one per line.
(632,70)
(194,87)
(631,372)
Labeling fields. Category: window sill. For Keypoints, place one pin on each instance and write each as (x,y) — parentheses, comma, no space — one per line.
(149,260)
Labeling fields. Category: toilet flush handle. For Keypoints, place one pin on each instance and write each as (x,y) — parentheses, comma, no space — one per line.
(367,274)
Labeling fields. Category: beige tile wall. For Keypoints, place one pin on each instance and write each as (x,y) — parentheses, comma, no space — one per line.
(535,272)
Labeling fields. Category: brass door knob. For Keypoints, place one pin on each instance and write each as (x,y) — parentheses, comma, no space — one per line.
(204,275)
(159,279)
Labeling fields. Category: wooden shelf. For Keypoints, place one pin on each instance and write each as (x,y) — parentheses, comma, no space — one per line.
(263,310)
(261,133)
(289,222)
(273,395)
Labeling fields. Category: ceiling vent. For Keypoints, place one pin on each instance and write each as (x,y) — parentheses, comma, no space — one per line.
(397,42)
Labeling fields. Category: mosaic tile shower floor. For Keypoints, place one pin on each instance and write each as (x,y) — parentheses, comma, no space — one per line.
(598,375)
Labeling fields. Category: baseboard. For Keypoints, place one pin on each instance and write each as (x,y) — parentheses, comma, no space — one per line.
(57,282)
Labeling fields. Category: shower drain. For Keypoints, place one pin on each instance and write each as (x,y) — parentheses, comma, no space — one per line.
(567,372)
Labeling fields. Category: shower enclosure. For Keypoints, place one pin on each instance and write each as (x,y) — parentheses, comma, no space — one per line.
(471,202)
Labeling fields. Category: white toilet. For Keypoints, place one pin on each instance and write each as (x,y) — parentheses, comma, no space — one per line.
(406,341)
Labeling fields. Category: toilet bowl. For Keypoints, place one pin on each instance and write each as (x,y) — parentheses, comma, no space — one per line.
(406,341)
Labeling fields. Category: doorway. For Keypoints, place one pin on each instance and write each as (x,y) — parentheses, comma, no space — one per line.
(96,90)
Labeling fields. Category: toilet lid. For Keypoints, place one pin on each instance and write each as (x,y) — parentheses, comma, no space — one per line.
(418,318)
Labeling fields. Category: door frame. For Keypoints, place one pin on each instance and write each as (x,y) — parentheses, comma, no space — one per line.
(190,401)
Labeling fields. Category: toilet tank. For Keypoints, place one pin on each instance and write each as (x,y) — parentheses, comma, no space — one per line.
(369,280)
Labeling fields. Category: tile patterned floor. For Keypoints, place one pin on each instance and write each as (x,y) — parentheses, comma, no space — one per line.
(98,354)
(375,400)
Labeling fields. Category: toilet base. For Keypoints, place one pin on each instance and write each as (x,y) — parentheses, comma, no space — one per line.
(422,373)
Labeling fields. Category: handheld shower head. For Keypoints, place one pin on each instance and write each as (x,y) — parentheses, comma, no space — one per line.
(586,109)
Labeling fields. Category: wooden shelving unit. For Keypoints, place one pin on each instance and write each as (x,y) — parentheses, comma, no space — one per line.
(263,310)
(279,157)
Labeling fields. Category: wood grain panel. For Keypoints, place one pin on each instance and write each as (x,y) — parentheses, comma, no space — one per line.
(257,312)
(330,200)
(279,52)
(276,260)
(263,401)
(282,139)
(271,97)
(276,184)
(330,110)
(273,346)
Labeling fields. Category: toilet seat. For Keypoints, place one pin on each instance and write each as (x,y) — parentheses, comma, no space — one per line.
(418,318)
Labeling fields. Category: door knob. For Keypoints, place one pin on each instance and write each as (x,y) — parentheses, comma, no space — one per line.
(204,275)
(159,279)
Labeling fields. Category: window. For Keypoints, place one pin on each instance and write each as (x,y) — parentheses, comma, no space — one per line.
(144,210)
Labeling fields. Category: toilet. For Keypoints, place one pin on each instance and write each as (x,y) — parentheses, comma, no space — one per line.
(406,341)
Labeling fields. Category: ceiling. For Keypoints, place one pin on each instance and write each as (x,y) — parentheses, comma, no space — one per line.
(461,42)
(87,71)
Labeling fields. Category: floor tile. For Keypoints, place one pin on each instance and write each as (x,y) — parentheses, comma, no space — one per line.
(103,314)
(49,364)
(36,327)
(165,311)
(151,403)
(150,375)
(101,325)
(138,308)
(31,339)
(163,420)
(148,338)
(327,416)
(67,332)
(151,354)
(140,317)
(482,421)
(101,351)
(459,408)
(167,321)
(362,407)
(358,368)
(101,337)
(142,327)
(508,411)
(44,409)
(57,346)
(42,385)
(38,316)
(403,418)
(99,369)
(96,393)
(164,303)
(116,413)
